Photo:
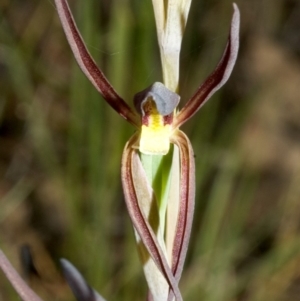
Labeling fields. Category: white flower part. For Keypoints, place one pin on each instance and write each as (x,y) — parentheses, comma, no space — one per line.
(160,20)
(171,17)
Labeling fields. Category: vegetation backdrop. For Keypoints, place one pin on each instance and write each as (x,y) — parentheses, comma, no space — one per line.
(61,146)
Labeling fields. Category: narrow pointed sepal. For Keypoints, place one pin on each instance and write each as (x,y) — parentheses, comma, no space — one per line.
(23,290)
(89,67)
(81,290)
(186,204)
(139,220)
(218,77)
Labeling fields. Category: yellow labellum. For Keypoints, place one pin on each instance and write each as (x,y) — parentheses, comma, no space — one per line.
(155,136)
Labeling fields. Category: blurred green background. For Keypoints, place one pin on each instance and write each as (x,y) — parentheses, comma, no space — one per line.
(61,146)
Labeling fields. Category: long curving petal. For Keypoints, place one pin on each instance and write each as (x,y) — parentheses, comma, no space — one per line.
(187,203)
(23,290)
(219,76)
(78,285)
(89,67)
(138,219)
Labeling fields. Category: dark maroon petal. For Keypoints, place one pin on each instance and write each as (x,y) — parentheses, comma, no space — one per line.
(219,76)
(23,290)
(138,219)
(89,67)
(186,205)
(81,290)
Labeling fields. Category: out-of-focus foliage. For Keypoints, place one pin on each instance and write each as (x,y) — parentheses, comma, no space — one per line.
(61,145)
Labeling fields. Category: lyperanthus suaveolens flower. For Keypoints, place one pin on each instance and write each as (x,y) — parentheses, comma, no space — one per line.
(162,224)
(157,120)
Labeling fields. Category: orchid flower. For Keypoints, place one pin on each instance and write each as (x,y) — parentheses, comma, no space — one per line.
(162,231)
